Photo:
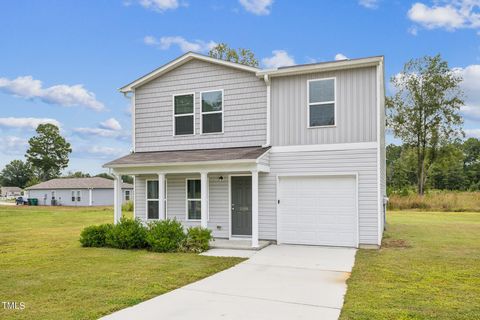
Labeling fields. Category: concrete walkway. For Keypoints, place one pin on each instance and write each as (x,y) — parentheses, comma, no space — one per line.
(278,282)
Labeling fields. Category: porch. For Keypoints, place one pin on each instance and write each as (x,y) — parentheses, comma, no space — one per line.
(219,194)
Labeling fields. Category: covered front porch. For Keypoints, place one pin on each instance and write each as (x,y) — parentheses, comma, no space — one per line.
(219,194)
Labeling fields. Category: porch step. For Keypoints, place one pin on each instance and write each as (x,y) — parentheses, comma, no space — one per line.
(237,244)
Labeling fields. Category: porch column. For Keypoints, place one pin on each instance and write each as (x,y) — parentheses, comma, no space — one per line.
(255,209)
(204,198)
(161,196)
(117,198)
(90,197)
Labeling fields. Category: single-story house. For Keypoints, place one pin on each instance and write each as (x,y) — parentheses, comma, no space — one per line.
(8,192)
(94,191)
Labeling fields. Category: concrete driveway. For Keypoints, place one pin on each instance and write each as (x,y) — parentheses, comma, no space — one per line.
(278,282)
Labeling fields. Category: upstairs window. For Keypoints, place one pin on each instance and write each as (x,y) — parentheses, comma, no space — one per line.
(321,103)
(183,114)
(212,111)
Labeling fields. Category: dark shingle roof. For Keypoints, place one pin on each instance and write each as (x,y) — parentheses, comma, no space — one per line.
(184,156)
(77,183)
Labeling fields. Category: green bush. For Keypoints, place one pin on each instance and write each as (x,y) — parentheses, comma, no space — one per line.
(94,236)
(127,234)
(128,206)
(165,236)
(197,240)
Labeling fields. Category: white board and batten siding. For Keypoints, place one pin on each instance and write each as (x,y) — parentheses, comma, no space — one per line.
(244,108)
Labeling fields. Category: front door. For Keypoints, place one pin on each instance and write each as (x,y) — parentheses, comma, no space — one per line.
(241,206)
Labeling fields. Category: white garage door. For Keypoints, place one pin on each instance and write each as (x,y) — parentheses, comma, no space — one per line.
(318,210)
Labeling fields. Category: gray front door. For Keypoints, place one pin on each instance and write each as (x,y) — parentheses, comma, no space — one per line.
(241,206)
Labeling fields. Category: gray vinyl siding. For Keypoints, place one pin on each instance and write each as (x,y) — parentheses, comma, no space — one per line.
(314,162)
(244,108)
(265,159)
(356,109)
(101,197)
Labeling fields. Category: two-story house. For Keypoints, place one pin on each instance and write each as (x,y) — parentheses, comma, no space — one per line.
(295,154)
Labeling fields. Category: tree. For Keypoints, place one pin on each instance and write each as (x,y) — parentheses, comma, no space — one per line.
(126,179)
(48,152)
(16,174)
(471,162)
(424,111)
(77,174)
(224,52)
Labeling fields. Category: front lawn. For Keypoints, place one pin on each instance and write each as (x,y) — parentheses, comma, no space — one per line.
(428,268)
(43,265)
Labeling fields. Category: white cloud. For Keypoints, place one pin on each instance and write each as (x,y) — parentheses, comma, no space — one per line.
(471,87)
(472,133)
(103,150)
(29,88)
(369,4)
(160,5)
(101,132)
(258,7)
(13,145)
(340,56)
(449,15)
(31,123)
(165,43)
(280,58)
(111,124)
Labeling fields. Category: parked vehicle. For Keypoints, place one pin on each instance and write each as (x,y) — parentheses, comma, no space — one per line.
(21,201)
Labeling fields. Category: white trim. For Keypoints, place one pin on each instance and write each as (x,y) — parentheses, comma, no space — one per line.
(322,67)
(325,147)
(133,119)
(269,107)
(161,196)
(212,112)
(135,197)
(334,101)
(192,199)
(230,236)
(90,197)
(329,174)
(180,61)
(255,194)
(379,125)
(183,114)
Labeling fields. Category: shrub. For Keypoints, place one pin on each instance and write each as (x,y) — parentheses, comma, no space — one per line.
(197,240)
(94,236)
(127,234)
(128,206)
(165,236)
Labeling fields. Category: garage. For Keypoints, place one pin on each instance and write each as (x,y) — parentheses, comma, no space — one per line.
(318,210)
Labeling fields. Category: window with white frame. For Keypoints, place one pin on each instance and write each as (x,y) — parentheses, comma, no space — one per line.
(127,195)
(73,196)
(183,114)
(212,111)
(152,199)
(321,102)
(194,199)
(79,196)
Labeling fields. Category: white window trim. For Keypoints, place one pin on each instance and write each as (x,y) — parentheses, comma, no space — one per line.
(212,112)
(79,195)
(129,195)
(193,199)
(183,115)
(322,103)
(147,199)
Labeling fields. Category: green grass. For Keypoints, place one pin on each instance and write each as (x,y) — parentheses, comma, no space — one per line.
(428,268)
(43,265)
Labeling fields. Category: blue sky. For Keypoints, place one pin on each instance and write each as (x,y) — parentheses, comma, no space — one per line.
(63,61)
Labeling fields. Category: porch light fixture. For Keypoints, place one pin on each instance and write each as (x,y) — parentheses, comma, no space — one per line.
(220,178)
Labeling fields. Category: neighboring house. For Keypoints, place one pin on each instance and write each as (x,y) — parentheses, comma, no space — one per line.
(295,154)
(9,192)
(94,191)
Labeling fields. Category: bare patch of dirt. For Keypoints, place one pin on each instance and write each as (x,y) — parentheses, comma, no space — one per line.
(395,243)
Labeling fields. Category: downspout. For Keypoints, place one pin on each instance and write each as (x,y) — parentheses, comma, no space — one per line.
(267,82)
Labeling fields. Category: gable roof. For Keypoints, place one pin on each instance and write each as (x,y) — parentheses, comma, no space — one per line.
(180,61)
(78,183)
(182,157)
